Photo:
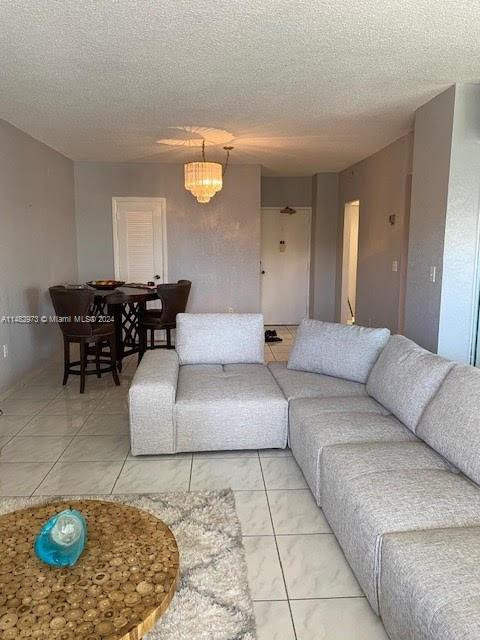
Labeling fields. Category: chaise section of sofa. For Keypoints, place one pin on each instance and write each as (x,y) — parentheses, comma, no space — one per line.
(232,406)
(213,392)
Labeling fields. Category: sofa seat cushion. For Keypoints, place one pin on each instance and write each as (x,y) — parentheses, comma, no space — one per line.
(451,422)
(301,384)
(361,510)
(405,378)
(354,460)
(338,350)
(237,406)
(429,585)
(303,408)
(309,436)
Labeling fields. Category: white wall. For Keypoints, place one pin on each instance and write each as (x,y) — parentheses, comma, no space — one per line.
(459,300)
(216,245)
(37,246)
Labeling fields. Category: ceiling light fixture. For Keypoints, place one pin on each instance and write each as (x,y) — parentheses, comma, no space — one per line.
(205,179)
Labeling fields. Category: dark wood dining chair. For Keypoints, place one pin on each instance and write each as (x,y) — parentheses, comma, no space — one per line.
(73,309)
(174,298)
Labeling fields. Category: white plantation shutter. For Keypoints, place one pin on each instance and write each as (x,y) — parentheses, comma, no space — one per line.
(140,247)
(139,239)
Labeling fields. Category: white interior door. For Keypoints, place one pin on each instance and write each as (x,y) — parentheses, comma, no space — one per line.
(139,239)
(285,265)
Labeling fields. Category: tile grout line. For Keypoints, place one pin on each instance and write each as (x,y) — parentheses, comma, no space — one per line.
(278,552)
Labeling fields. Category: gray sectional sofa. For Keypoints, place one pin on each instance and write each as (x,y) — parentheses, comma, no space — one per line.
(386,433)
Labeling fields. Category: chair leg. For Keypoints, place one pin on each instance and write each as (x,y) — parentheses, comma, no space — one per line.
(113,361)
(142,342)
(66,360)
(152,338)
(169,338)
(98,349)
(83,365)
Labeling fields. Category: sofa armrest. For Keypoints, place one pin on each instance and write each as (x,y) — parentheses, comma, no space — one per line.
(151,403)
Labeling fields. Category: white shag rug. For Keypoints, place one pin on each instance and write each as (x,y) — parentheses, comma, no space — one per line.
(213,600)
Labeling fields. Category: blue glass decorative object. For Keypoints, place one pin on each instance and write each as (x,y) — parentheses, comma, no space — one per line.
(62,539)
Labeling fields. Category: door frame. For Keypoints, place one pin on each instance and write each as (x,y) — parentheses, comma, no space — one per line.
(308,211)
(160,211)
(345,281)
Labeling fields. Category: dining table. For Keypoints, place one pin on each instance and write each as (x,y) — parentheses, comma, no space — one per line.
(124,305)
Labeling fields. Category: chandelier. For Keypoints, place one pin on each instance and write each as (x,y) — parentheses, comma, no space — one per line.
(204,179)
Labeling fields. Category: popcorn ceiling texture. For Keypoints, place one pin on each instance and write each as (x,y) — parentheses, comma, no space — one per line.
(303,86)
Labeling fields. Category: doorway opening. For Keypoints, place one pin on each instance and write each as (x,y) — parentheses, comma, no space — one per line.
(350,261)
(285,264)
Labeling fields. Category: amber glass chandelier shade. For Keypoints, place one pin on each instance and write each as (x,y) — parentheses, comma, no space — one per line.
(203,179)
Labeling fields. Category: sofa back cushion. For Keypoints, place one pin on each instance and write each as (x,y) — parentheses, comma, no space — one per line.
(405,378)
(220,338)
(451,422)
(338,350)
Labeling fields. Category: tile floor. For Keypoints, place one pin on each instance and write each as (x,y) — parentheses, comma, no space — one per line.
(55,441)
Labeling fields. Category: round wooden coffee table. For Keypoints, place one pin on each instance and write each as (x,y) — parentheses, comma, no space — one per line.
(123,582)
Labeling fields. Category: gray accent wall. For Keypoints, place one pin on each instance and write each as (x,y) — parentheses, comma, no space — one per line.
(442,315)
(381,183)
(37,247)
(324,246)
(431,167)
(216,245)
(279,192)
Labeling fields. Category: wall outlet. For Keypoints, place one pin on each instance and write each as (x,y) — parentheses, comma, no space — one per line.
(433,274)
(230,309)
(5,350)
(395,266)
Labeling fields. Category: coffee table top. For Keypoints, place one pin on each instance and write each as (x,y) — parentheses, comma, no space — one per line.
(123,582)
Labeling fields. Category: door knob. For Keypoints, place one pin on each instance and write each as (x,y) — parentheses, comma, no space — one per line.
(157,277)
(263,272)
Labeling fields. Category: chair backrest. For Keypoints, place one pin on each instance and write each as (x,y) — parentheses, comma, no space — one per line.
(220,338)
(71,306)
(174,299)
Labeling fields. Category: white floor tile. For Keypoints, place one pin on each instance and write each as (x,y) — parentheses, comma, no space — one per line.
(235,473)
(11,425)
(253,513)
(295,512)
(35,448)
(92,448)
(282,473)
(21,478)
(336,619)
(67,406)
(273,621)
(36,393)
(106,425)
(315,567)
(78,478)
(23,406)
(113,402)
(150,476)
(264,570)
(44,425)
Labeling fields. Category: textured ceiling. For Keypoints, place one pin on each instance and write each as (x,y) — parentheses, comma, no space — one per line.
(303,86)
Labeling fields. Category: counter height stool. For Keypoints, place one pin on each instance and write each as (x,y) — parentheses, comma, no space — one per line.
(72,306)
(174,299)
